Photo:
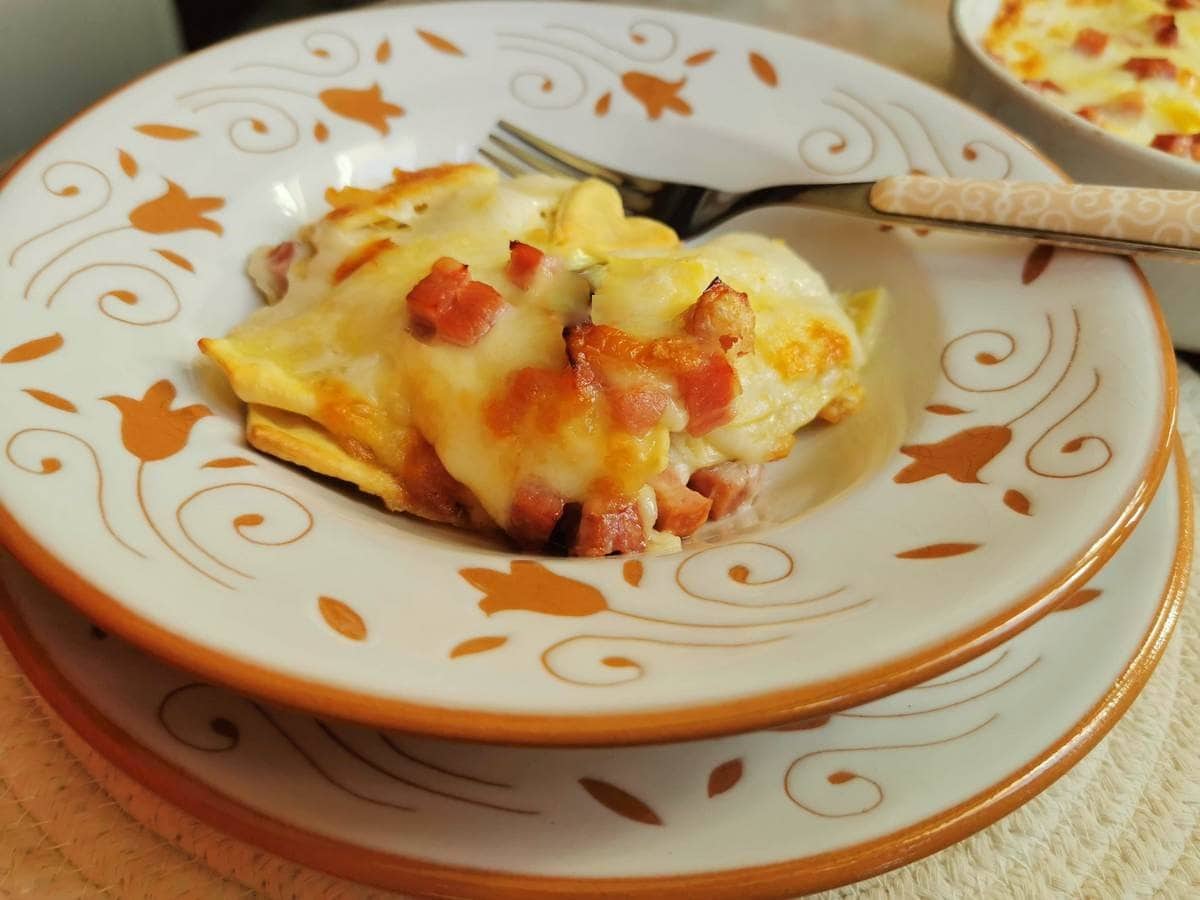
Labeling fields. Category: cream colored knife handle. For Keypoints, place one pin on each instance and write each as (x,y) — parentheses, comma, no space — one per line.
(1158,219)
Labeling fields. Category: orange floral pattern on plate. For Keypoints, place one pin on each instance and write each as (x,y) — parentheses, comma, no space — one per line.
(763,70)
(620,801)
(150,429)
(530,586)
(166,132)
(33,349)
(656,94)
(175,210)
(439,43)
(366,105)
(478,645)
(959,456)
(51,399)
(342,618)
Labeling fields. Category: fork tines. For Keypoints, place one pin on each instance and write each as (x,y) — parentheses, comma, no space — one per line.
(515,151)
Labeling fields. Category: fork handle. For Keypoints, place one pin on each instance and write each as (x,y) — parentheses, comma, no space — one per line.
(1125,219)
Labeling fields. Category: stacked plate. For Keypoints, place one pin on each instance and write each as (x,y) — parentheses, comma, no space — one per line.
(936,608)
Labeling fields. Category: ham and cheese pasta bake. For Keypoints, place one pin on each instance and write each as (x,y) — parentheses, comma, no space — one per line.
(1131,67)
(521,355)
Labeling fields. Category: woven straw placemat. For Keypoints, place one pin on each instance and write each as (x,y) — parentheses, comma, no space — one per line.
(1125,822)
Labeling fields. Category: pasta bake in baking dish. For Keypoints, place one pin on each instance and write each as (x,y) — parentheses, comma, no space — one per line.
(522,355)
(1132,67)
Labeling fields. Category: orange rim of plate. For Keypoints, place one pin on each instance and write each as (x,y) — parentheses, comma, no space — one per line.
(814,873)
(605,729)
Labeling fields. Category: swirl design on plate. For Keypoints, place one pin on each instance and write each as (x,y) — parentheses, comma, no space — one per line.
(338,54)
(867,132)
(570,52)
(610,669)
(746,564)
(924,711)
(984,351)
(830,782)
(153,430)
(50,464)
(825,783)
(247,524)
(261,124)
(254,134)
(174,210)
(967,360)
(542,87)
(751,566)
(1103,450)
(164,307)
(49,178)
(648,41)
(843,793)
(211,720)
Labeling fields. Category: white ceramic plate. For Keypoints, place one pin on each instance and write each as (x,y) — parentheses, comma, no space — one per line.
(829,801)
(1017,419)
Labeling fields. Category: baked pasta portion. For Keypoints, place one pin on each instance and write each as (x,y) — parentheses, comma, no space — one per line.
(522,355)
(1131,67)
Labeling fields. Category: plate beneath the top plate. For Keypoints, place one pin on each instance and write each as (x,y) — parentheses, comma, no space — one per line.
(1017,419)
(827,801)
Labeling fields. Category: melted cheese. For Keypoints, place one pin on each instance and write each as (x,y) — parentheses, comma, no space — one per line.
(807,349)
(1035,40)
(338,350)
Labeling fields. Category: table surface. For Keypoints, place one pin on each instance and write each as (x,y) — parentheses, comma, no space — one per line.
(1124,822)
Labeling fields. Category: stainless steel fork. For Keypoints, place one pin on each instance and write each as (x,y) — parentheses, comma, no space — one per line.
(1090,217)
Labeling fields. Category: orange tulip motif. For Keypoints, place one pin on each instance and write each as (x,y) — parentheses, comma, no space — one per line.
(960,456)
(364,105)
(150,429)
(656,94)
(175,210)
(530,586)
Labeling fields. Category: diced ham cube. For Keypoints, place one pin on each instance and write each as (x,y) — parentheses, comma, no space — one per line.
(1150,67)
(536,509)
(708,393)
(607,525)
(432,491)
(706,379)
(598,345)
(639,409)
(680,509)
(1181,4)
(1166,33)
(279,260)
(524,264)
(1090,42)
(1045,85)
(729,485)
(447,304)
(1184,145)
(722,316)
